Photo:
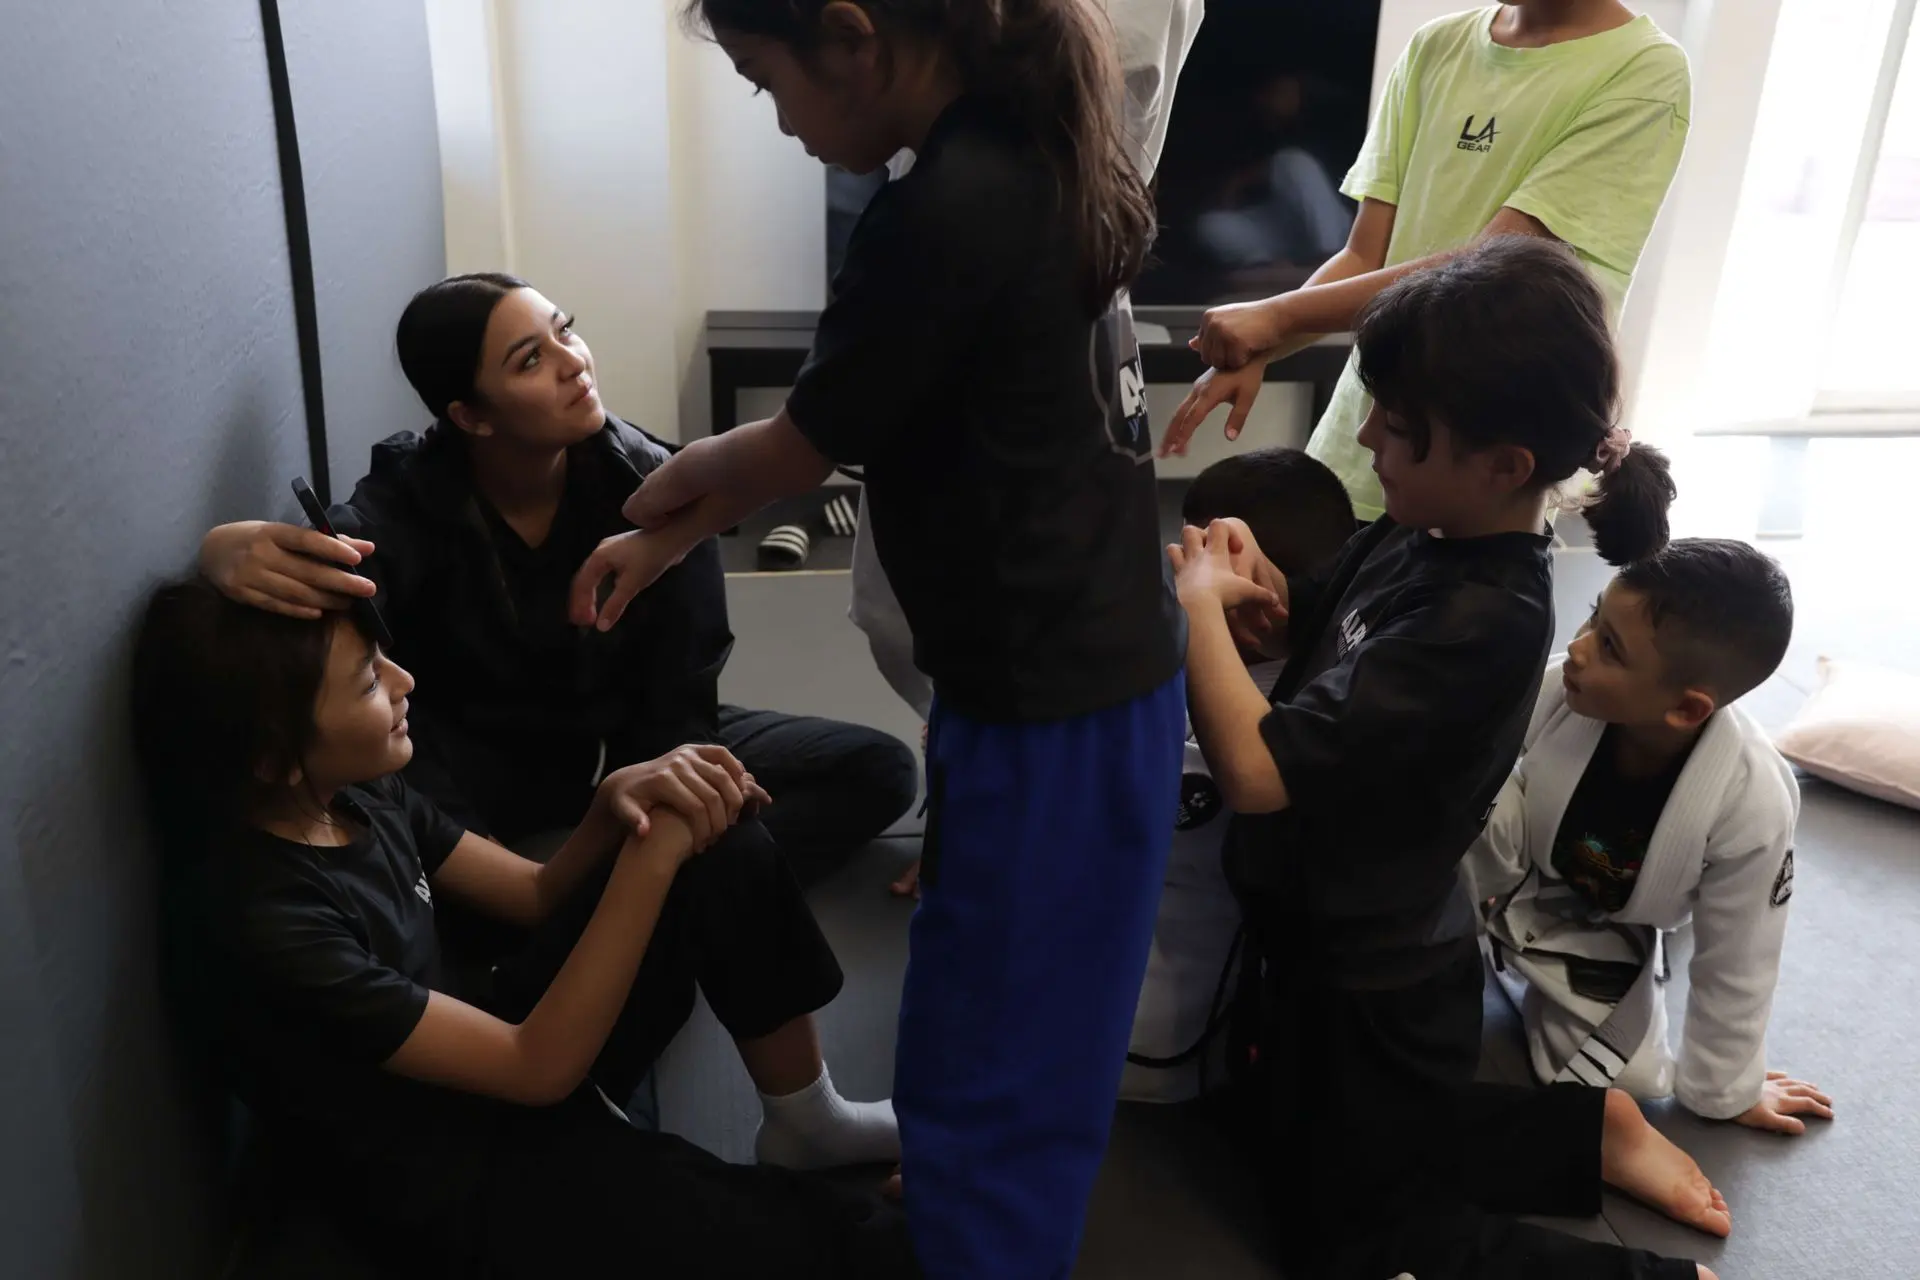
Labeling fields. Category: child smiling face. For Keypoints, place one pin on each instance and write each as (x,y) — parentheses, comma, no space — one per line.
(359,714)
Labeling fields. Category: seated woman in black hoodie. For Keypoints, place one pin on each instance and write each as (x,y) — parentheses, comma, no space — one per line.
(472,534)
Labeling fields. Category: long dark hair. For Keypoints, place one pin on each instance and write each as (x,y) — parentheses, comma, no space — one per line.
(1507,343)
(441,332)
(223,699)
(1051,63)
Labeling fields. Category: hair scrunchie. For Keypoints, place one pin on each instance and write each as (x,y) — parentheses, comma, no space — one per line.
(1611,451)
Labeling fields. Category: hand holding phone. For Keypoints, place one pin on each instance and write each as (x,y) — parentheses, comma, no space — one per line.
(363,610)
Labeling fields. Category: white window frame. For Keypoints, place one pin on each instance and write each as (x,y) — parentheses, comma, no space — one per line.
(1847,411)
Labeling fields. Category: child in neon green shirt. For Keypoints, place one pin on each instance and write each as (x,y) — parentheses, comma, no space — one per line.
(1558,119)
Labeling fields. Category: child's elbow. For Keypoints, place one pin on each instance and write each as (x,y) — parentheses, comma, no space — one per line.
(543,1081)
(547,1089)
(1253,790)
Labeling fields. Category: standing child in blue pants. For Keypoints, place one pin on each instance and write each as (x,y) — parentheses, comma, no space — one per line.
(978,360)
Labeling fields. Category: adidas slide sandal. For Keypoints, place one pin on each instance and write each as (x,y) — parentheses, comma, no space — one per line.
(841,516)
(785,548)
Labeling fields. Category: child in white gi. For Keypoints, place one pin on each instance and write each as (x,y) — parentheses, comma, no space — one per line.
(1644,799)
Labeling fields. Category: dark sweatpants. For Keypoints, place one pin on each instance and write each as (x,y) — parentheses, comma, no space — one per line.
(1389,1159)
(735,924)
(576,1192)
(835,785)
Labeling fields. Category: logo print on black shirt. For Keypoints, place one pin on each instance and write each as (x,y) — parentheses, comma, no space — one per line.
(1352,632)
(1481,141)
(1199,802)
(1119,387)
(421,891)
(1783,883)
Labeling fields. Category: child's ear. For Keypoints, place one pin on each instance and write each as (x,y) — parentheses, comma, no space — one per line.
(264,771)
(467,420)
(1510,466)
(1692,710)
(849,26)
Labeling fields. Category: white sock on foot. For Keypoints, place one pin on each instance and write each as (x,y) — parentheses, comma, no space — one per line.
(816,1128)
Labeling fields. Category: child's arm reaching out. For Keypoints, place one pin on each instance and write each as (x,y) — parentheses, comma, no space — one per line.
(1238,341)
(1225,704)
(1329,302)
(710,485)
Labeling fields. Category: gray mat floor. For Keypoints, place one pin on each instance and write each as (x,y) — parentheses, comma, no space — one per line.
(1839,1202)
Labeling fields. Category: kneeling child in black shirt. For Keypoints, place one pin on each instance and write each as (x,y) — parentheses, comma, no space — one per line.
(1412,665)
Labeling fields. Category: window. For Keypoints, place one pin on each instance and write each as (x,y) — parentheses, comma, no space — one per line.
(1816,325)
(1873,345)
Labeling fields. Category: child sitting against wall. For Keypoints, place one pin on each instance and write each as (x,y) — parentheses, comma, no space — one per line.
(1646,799)
(463,1128)
(1301,515)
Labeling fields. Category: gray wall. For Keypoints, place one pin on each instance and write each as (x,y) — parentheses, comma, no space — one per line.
(370,153)
(149,387)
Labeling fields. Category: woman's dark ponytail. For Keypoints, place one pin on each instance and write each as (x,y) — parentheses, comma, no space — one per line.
(1051,64)
(441,332)
(1628,513)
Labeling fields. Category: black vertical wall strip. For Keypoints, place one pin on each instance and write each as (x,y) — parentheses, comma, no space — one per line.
(293,191)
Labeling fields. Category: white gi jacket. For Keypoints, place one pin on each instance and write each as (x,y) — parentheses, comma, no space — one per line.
(1721,856)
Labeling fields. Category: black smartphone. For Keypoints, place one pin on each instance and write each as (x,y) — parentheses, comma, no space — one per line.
(363,608)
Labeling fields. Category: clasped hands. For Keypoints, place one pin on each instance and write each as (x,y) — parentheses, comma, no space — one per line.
(1223,567)
(706,785)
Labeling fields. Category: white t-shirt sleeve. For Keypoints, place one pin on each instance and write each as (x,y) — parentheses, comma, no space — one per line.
(1153,38)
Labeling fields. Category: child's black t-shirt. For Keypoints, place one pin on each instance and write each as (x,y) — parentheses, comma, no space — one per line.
(1416,664)
(306,968)
(1609,822)
(1003,431)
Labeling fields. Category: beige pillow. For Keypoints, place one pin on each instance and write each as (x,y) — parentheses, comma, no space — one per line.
(1861,730)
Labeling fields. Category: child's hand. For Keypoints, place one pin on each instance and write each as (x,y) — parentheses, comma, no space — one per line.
(1258,627)
(634,561)
(1204,571)
(1232,336)
(704,784)
(1783,1102)
(1214,388)
(671,841)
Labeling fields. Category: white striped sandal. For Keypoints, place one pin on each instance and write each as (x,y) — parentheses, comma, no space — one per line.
(785,548)
(841,516)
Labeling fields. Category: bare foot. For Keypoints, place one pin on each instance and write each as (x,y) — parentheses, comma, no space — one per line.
(1638,1159)
(908,885)
(1705,1274)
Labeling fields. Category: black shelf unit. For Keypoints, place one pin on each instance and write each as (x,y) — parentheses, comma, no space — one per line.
(748,349)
